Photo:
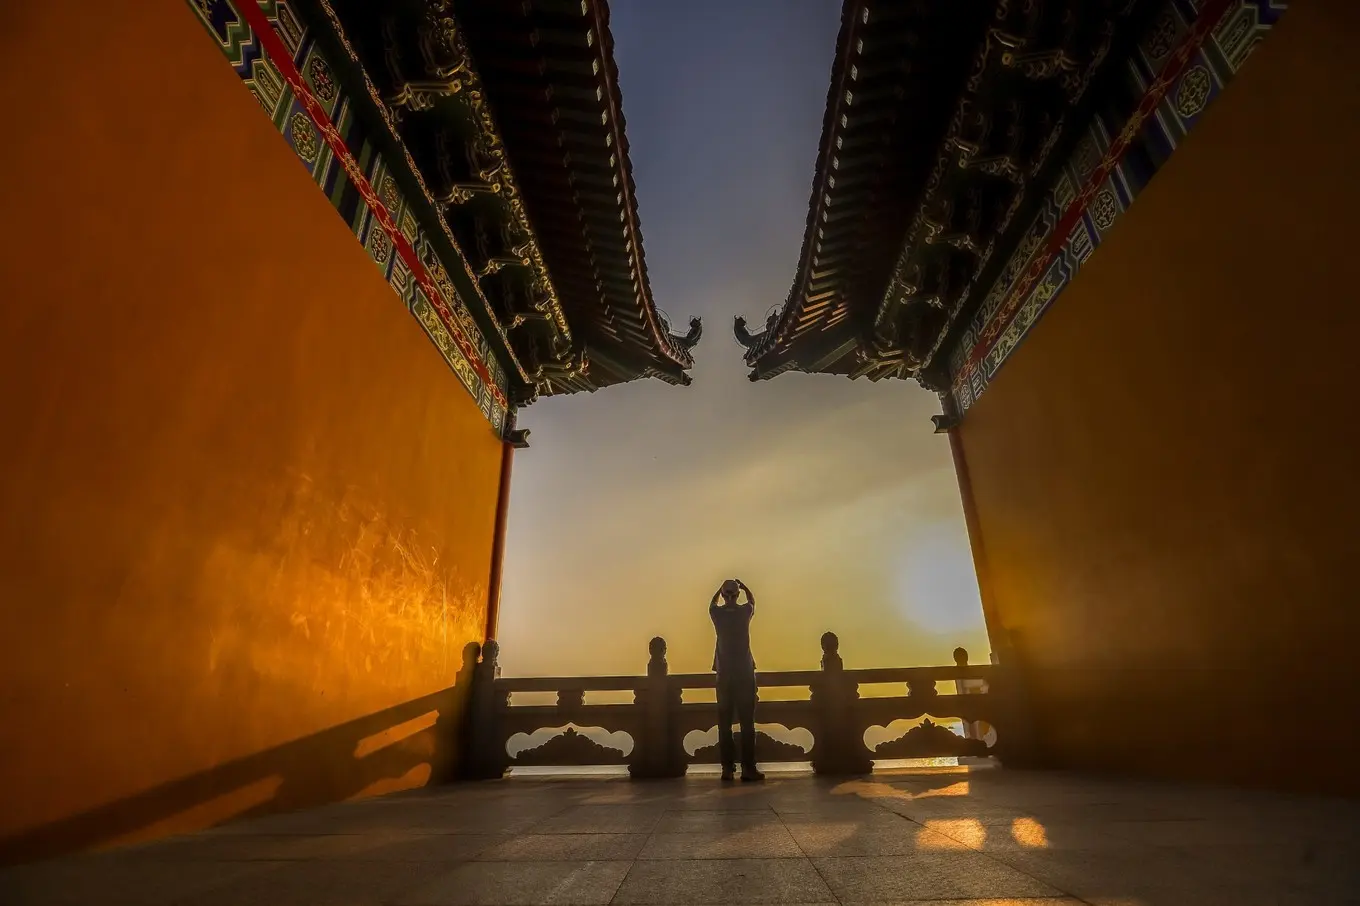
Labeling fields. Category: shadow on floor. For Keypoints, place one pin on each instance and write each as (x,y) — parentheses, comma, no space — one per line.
(405,746)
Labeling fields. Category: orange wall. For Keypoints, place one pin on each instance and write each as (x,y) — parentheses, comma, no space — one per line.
(243,498)
(1167,473)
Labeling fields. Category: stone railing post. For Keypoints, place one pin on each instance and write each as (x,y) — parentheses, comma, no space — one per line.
(658,751)
(838,741)
(486,758)
(972,729)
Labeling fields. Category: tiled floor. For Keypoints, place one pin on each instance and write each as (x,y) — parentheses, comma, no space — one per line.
(942,836)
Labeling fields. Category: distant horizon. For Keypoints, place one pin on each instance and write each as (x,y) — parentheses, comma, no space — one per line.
(834,500)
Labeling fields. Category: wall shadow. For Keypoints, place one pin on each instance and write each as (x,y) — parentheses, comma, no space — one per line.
(409,745)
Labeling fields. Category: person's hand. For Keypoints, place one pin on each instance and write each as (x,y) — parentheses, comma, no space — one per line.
(741,585)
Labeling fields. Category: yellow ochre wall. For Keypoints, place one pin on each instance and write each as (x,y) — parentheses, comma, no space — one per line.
(247,509)
(1166,475)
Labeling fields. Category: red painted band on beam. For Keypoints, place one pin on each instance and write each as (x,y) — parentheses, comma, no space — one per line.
(1207,21)
(283,61)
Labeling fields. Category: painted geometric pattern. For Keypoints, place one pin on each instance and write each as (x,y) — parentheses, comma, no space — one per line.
(1192,49)
(270,49)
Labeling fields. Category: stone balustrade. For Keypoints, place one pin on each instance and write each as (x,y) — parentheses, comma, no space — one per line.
(648,732)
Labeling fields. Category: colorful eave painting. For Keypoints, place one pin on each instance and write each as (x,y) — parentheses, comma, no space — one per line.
(1183,62)
(279,60)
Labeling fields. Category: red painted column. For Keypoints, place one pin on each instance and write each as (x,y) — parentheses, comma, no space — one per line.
(493,607)
(970,519)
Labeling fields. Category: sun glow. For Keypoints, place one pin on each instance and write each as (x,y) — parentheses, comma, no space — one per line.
(935,583)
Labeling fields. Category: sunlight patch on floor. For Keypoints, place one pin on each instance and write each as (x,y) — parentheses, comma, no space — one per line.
(967,833)
(869,789)
(1028,832)
(954,789)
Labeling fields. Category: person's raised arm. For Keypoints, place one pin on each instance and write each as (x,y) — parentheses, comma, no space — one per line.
(750,598)
(713,605)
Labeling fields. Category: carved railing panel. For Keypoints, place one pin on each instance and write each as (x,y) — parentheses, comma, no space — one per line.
(768,749)
(930,740)
(656,721)
(571,748)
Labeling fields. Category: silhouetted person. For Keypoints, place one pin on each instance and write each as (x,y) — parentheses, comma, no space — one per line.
(736,670)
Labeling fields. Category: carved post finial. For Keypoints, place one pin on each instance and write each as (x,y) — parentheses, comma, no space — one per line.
(657,665)
(491,652)
(831,655)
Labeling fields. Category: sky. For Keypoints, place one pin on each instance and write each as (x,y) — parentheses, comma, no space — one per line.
(833,500)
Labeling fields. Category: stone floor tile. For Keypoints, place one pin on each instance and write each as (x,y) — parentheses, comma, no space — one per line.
(835,810)
(722,881)
(389,846)
(1213,895)
(1215,831)
(954,807)
(568,847)
(423,847)
(1084,873)
(113,881)
(1024,834)
(361,818)
(718,804)
(693,820)
(249,847)
(1115,811)
(768,842)
(573,883)
(321,883)
(600,819)
(1006,901)
(1301,863)
(852,838)
(637,795)
(952,875)
(705,793)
